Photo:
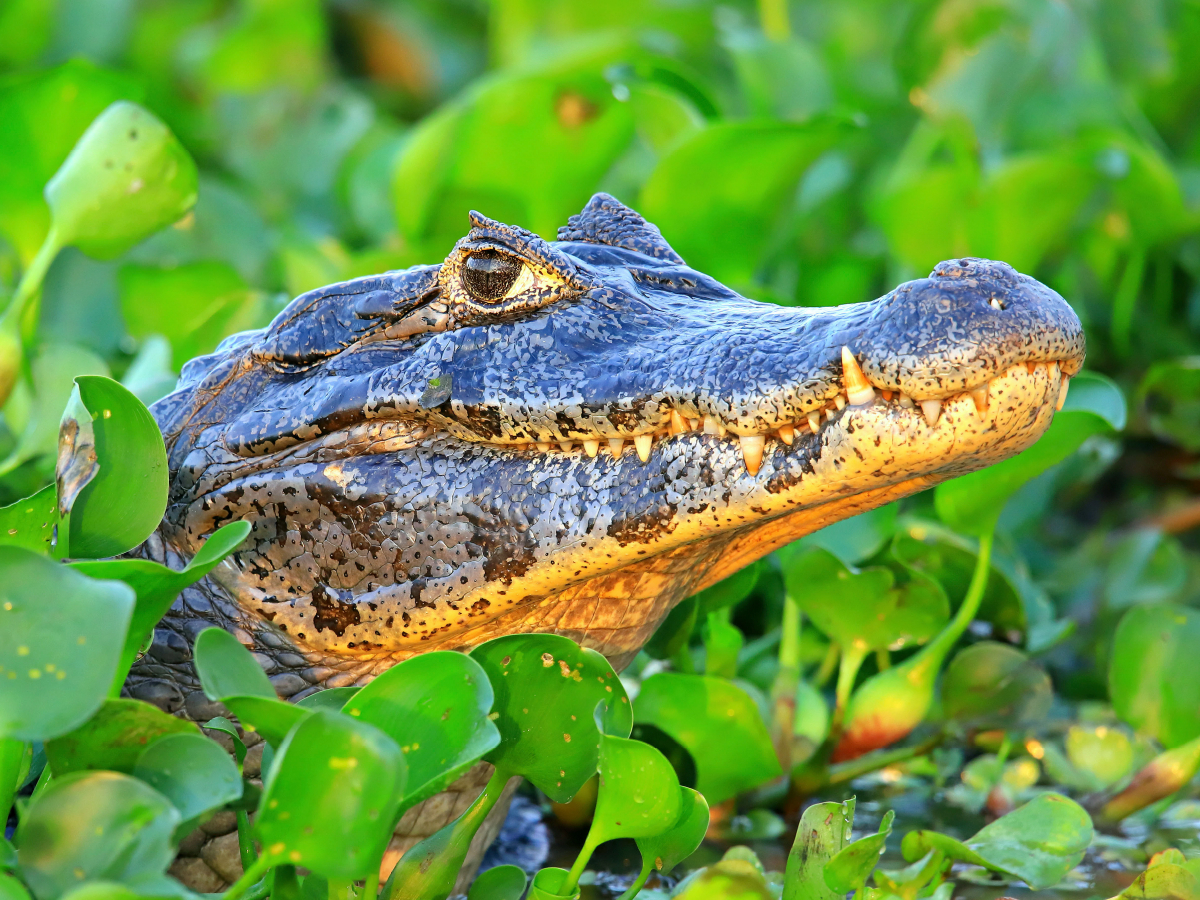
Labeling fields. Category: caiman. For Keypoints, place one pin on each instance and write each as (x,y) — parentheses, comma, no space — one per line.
(567,436)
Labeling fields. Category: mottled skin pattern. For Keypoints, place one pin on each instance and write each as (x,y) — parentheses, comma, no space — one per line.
(426,468)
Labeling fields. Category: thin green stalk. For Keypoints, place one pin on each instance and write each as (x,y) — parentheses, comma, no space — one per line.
(12,755)
(370,888)
(881,759)
(883,659)
(639,883)
(789,635)
(935,651)
(32,278)
(787,680)
(828,664)
(250,876)
(774,17)
(245,843)
(853,657)
(581,861)
(1125,301)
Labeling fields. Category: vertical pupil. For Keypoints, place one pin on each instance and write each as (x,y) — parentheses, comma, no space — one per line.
(490,274)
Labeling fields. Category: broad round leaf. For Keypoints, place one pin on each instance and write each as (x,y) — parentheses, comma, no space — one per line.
(60,639)
(12,889)
(547,689)
(124,500)
(33,523)
(667,850)
(114,737)
(435,706)
(972,503)
(228,669)
(994,685)
(639,794)
(192,771)
(127,177)
(331,769)
(101,825)
(499,883)
(332,699)
(718,723)
(1153,676)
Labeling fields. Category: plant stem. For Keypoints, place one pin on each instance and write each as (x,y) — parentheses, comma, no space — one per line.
(853,656)
(932,654)
(32,278)
(864,765)
(1125,301)
(245,844)
(789,636)
(647,868)
(257,870)
(828,664)
(581,861)
(370,888)
(12,754)
(883,659)
(787,680)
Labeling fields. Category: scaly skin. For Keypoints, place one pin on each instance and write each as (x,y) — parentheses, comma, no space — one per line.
(421,468)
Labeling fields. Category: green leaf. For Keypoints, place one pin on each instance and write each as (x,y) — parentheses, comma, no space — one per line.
(499,883)
(672,635)
(157,586)
(851,540)
(45,113)
(729,591)
(223,725)
(1170,394)
(547,688)
(117,508)
(664,851)
(331,769)
(994,685)
(824,830)
(33,523)
(731,178)
(718,723)
(1038,843)
(94,825)
(127,177)
(852,865)
(1163,882)
(113,738)
(972,503)
(435,706)
(548,884)
(866,608)
(1104,754)
(12,889)
(1153,678)
(639,794)
(333,699)
(60,640)
(193,772)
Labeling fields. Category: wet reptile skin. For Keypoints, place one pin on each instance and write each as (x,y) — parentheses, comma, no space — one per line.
(411,454)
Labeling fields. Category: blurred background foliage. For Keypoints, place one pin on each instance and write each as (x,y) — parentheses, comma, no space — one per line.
(812,153)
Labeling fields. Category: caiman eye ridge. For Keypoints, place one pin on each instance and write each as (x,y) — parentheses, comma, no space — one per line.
(856,391)
(490,274)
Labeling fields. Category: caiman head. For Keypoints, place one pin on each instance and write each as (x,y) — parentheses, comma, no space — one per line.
(572,436)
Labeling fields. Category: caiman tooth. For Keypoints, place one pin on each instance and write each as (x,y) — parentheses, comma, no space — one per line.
(839,401)
(906,401)
(814,421)
(695,423)
(752,451)
(980,396)
(1031,367)
(786,433)
(886,395)
(1062,392)
(932,410)
(566,446)
(642,443)
(679,425)
(544,446)
(858,390)
(713,426)
(615,446)
(591,448)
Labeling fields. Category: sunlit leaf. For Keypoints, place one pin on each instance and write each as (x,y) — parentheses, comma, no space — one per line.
(193,772)
(113,738)
(499,883)
(1153,678)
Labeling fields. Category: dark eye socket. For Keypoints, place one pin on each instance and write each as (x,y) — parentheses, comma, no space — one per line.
(489,274)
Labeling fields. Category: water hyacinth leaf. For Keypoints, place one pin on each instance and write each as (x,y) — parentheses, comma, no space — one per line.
(729,591)
(663,852)
(823,831)
(639,793)
(94,825)
(1166,881)
(730,879)
(994,685)
(852,865)
(972,503)
(547,688)
(672,635)
(156,586)
(549,883)
(1039,843)
(127,177)
(330,698)
(118,507)
(435,706)
(731,178)
(33,523)
(224,726)
(60,639)
(719,725)
(228,669)
(1170,394)
(1152,676)
(331,769)
(499,883)
(105,890)
(851,540)
(113,738)
(193,772)
(12,889)
(866,608)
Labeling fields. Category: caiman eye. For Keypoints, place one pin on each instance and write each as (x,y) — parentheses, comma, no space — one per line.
(490,274)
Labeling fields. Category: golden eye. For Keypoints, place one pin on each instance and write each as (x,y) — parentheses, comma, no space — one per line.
(490,274)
